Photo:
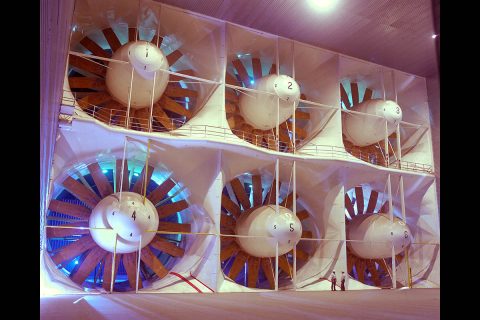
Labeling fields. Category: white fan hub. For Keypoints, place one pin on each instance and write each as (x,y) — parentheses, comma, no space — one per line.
(130,217)
(260,109)
(147,61)
(283,227)
(374,235)
(366,130)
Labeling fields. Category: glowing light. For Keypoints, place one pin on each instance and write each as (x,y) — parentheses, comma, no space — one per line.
(252,82)
(434,36)
(76,261)
(135,174)
(322,5)
(104,171)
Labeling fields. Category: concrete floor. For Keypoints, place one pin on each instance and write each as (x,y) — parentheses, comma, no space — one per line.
(359,304)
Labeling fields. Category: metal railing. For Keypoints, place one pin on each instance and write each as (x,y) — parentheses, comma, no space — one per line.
(179,127)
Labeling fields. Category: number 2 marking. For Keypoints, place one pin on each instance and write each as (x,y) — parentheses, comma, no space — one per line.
(290,85)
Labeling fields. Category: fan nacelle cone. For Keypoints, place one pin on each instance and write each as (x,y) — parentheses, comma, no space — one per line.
(147,60)
(364,130)
(374,235)
(260,109)
(129,217)
(283,227)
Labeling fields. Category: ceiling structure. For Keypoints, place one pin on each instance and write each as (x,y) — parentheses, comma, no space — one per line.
(397,34)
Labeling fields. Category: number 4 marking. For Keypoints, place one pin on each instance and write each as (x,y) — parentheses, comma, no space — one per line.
(134,216)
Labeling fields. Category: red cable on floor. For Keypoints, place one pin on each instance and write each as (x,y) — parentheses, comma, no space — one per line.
(187,281)
(191,275)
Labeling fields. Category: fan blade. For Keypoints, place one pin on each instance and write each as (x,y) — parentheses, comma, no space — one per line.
(399,258)
(179,92)
(229,250)
(384,266)
(91,260)
(161,191)
(94,99)
(350,262)
(171,208)
(153,263)
(237,265)
(107,270)
(285,265)
(160,116)
(73,249)
(173,57)
(349,206)
(283,136)
(67,232)
(231,80)
(230,206)
(257,68)
(231,95)
(231,108)
(87,65)
(188,72)
(360,266)
(86,83)
(166,246)
(344,97)
(101,181)
(235,122)
(170,105)
(368,94)
(112,39)
(252,273)
(372,202)
(300,133)
(384,208)
(354,89)
(359,199)
(270,198)
(288,201)
(132,34)
(373,271)
(227,221)
(242,72)
(139,185)
(257,190)
(70,209)
(174,227)
(130,261)
(154,41)
(302,215)
(143,118)
(118,170)
(300,115)
(302,255)
(94,48)
(81,192)
(240,193)
(307,234)
(273,69)
(267,268)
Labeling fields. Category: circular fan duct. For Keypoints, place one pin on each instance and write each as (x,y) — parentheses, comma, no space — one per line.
(363,136)
(101,87)
(91,209)
(371,233)
(248,209)
(252,116)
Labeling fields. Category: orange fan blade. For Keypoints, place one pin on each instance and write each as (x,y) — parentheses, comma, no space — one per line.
(372,202)
(70,209)
(257,68)
(166,246)
(161,191)
(253,268)
(368,94)
(349,206)
(171,208)
(359,199)
(107,270)
(344,97)
(173,57)
(174,227)
(237,265)
(74,249)
(66,232)
(354,89)
(240,193)
(139,185)
(81,192)
(153,263)
(112,39)
(228,251)
(130,261)
(87,265)
(230,206)
(94,48)
(101,181)
(257,190)
(242,72)
(87,65)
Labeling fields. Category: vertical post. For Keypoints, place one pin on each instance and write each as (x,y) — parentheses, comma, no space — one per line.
(112,280)
(277,129)
(294,208)
(294,146)
(129,99)
(399,147)
(123,168)
(394,268)
(276,266)
(138,264)
(387,157)
(390,213)
(404,218)
(150,120)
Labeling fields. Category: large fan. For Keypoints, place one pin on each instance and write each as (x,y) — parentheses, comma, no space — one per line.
(88,200)
(248,207)
(101,86)
(240,75)
(375,152)
(369,260)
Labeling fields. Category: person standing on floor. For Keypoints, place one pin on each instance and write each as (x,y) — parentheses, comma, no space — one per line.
(334,281)
(342,281)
